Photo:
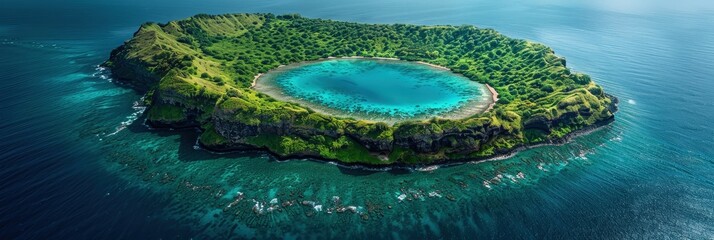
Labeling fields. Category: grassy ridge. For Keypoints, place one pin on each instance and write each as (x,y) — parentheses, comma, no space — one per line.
(204,66)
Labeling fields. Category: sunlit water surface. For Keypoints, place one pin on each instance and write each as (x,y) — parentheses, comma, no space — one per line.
(76,161)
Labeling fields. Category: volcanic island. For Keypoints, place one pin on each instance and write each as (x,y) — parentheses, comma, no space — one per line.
(354,93)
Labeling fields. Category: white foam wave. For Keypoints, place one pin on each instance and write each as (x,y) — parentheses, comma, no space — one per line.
(139,109)
(102,73)
(428,169)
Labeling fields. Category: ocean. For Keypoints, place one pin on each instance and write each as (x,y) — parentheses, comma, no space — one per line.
(77,162)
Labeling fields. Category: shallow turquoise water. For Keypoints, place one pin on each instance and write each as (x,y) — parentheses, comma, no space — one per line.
(376,89)
(76,161)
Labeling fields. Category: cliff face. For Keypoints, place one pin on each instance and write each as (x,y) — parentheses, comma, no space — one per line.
(196,74)
(153,62)
(454,140)
(237,131)
(372,144)
(132,71)
(168,108)
(428,142)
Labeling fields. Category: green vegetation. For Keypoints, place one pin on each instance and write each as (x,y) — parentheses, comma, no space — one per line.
(342,148)
(200,70)
(210,137)
(166,113)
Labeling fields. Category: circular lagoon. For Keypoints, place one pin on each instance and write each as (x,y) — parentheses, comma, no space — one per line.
(376,89)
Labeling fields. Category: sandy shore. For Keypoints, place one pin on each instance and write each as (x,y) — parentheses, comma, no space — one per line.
(385,58)
(434,65)
(494,96)
(255,80)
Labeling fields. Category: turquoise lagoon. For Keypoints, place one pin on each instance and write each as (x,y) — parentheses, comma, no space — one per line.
(376,89)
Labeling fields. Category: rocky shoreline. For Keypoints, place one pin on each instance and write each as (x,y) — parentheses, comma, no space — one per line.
(384,167)
(192,87)
(504,154)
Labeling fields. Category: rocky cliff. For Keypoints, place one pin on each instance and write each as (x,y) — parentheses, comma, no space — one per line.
(197,72)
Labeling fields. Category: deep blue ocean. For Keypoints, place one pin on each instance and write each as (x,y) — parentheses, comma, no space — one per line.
(76,162)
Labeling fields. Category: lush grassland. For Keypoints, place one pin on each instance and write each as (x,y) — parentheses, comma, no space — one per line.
(200,70)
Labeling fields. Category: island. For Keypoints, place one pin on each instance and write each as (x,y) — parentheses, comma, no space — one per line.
(201,72)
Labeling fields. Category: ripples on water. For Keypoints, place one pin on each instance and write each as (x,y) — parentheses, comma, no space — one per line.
(68,168)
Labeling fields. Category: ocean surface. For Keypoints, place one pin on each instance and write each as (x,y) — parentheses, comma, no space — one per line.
(76,161)
(365,89)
